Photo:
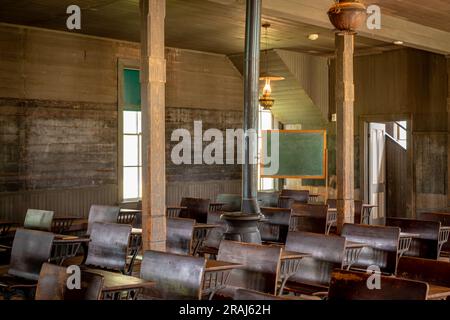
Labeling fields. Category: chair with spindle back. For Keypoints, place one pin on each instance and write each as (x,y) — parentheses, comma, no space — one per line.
(352,285)
(98,213)
(38,220)
(260,271)
(126,217)
(180,234)
(31,248)
(108,248)
(327,253)
(311,218)
(52,285)
(426,245)
(299,196)
(195,208)
(381,246)
(444,219)
(177,277)
(276,224)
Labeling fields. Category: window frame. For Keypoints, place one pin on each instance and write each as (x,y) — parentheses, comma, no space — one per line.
(260,179)
(121,66)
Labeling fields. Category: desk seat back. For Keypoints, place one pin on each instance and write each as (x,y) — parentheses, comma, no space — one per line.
(31,248)
(261,265)
(277,225)
(309,217)
(108,246)
(231,202)
(215,235)
(431,271)
(196,209)
(352,285)
(285,202)
(38,220)
(426,245)
(98,213)
(382,245)
(442,217)
(179,235)
(52,285)
(327,254)
(300,196)
(176,277)
(268,199)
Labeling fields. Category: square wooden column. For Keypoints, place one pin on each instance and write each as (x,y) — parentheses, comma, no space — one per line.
(345,93)
(448,128)
(153,79)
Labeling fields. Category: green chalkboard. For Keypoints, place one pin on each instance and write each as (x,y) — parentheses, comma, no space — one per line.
(131,90)
(301,153)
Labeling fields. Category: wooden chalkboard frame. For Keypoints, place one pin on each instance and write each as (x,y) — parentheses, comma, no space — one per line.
(324,159)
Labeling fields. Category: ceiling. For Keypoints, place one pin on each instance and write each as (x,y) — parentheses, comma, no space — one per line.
(431,13)
(292,105)
(190,24)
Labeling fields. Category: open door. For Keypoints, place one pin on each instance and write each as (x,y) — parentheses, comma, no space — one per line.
(377,170)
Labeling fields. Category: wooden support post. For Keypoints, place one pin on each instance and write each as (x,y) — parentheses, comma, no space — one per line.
(448,128)
(153,78)
(345,92)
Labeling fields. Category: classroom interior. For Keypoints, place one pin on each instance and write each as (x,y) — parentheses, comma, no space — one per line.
(115,157)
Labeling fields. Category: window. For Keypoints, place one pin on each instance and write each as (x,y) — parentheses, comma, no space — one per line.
(131,136)
(265,123)
(400,133)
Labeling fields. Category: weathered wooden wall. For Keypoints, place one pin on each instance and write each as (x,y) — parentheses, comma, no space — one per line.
(59,119)
(409,83)
(396,182)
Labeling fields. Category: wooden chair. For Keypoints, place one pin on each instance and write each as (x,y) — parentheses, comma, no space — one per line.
(268,199)
(215,236)
(382,245)
(231,202)
(352,285)
(99,213)
(52,285)
(310,218)
(276,226)
(358,211)
(260,269)
(195,208)
(38,220)
(108,248)
(31,248)
(444,219)
(332,203)
(177,277)
(299,196)
(179,235)
(427,244)
(327,254)
(285,202)
(433,272)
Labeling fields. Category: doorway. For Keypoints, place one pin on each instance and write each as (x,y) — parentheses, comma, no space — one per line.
(387,166)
